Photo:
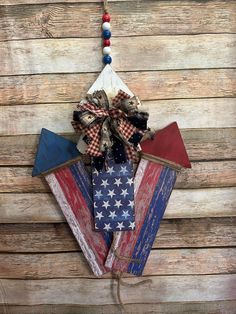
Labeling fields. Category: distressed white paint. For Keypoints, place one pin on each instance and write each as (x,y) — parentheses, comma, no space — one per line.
(73,223)
(110,82)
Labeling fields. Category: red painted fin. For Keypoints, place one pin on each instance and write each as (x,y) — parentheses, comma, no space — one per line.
(168,145)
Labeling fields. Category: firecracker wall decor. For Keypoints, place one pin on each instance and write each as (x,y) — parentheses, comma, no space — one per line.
(162,157)
(59,161)
(111,127)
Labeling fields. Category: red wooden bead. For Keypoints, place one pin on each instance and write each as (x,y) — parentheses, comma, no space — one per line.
(106,17)
(106,43)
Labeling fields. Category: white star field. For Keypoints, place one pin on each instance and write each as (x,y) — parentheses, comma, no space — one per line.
(114,197)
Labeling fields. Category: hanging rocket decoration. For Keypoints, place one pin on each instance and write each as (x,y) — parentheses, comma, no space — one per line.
(162,157)
(59,161)
(111,125)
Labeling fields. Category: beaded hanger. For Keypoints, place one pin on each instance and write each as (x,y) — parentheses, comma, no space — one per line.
(106,34)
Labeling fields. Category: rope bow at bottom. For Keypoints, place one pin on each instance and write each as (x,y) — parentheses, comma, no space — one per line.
(121,282)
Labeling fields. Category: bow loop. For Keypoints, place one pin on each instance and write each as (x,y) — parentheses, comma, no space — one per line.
(118,127)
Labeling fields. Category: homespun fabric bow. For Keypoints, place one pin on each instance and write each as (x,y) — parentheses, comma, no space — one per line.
(118,127)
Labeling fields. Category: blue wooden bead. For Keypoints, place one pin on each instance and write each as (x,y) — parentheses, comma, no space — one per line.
(107,59)
(106,34)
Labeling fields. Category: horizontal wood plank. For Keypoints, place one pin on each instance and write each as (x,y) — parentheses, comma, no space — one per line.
(160,262)
(216,307)
(208,174)
(82,291)
(202,175)
(201,144)
(174,233)
(161,53)
(202,203)
(49,88)
(197,203)
(190,113)
(17,2)
(61,20)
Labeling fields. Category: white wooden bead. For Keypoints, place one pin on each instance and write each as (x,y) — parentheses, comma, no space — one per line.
(106,26)
(106,50)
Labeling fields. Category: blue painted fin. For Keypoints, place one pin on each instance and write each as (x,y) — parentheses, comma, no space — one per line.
(53,151)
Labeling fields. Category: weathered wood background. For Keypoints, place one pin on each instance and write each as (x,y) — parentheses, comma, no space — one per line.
(180,58)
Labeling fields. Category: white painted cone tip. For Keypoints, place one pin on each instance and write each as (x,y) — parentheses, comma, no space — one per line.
(110,82)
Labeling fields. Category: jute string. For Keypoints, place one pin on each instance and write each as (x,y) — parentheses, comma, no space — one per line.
(105,6)
(121,282)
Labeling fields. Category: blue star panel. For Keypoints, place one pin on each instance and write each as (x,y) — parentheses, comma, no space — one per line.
(113,194)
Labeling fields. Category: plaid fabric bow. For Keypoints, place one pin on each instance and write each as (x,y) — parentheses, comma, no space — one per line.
(118,127)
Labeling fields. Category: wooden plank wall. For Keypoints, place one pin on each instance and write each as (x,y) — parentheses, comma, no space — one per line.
(180,58)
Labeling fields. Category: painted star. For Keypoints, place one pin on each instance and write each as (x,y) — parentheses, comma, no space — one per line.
(118,182)
(132,225)
(107,227)
(123,169)
(99,215)
(124,192)
(110,170)
(120,225)
(111,193)
(96,227)
(106,204)
(104,183)
(95,172)
(95,205)
(118,204)
(98,194)
(131,203)
(125,214)
(130,181)
(112,214)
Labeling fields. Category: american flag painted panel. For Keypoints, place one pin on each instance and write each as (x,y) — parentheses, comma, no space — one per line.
(113,194)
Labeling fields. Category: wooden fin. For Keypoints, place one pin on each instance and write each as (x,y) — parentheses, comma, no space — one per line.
(167,145)
(53,151)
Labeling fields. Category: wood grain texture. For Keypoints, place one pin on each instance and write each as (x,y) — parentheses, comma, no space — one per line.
(163,17)
(23,208)
(50,88)
(210,174)
(14,2)
(203,174)
(17,179)
(196,203)
(174,233)
(190,113)
(79,291)
(212,307)
(160,262)
(161,53)
(201,144)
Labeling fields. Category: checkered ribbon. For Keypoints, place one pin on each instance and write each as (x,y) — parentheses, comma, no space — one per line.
(102,124)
